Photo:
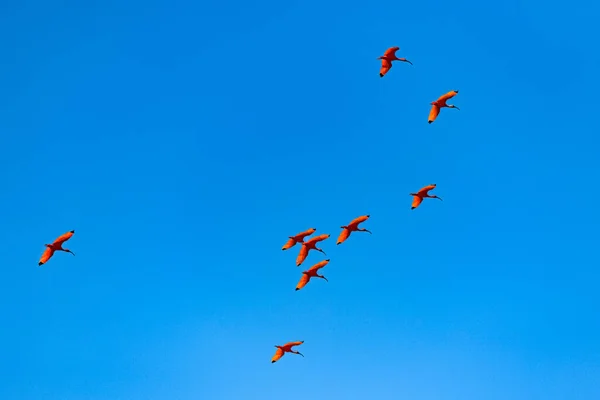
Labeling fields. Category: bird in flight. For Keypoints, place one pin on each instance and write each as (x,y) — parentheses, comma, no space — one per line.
(286,348)
(310,244)
(440,103)
(387,58)
(421,194)
(299,238)
(352,227)
(56,246)
(312,272)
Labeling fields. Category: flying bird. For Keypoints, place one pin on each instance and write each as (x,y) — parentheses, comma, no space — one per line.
(310,244)
(352,227)
(299,238)
(387,58)
(56,246)
(440,103)
(286,348)
(312,272)
(421,194)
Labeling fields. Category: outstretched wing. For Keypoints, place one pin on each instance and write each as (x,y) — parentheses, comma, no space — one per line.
(435,111)
(416,201)
(423,191)
(391,52)
(302,255)
(343,235)
(292,344)
(278,354)
(385,67)
(290,243)
(303,281)
(46,256)
(318,266)
(300,237)
(448,95)
(63,238)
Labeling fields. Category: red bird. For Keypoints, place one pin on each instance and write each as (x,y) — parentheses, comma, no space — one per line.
(286,348)
(387,58)
(310,244)
(421,194)
(299,238)
(312,272)
(352,227)
(440,103)
(56,246)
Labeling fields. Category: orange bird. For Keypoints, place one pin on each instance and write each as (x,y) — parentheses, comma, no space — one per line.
(299,238)
(352,227)
(56,246)
(421,194)
(440,103)
(286,348)
(312,273)
(310,244)
(387,58)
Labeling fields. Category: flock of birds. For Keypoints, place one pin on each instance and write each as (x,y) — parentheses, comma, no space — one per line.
(301,238)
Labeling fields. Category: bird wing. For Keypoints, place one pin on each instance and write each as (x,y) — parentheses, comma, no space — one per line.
(302,255)
(447,96)
(300,237)
(358,220)
(385,67)
(416,201)
(291,344)
(290,243)
(278,354)
(318,266)
(435,110)
(320,238)
(303,281)
(343,235)
(391,52)
(63,238)
(426,189)
(46,255)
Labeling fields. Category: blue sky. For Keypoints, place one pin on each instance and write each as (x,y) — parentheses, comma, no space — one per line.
(185,141)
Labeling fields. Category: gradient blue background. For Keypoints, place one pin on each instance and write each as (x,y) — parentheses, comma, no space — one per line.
(185,141)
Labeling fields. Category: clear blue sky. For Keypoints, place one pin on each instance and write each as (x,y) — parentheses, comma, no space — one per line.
(185,141)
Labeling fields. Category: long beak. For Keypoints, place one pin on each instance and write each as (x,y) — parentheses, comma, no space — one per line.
(437,197)
(71,252)
(300,354)
(457,108)
(321,251)
(366,230)
(325,278)
(405,60)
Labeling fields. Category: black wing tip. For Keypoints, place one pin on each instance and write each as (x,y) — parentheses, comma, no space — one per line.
(297,289)
(412,208)
(272,362)
(429,121)
(40,264)
(73,231)
(381,75)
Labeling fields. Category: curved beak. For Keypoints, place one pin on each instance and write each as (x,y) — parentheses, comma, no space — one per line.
(457,108)
(325,279)
(69,251)
(321,250)
(405,60)
(301,354)
(437,197)
(366,230)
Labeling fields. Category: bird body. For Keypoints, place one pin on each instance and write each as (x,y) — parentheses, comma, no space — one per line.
(286,348)
(387,58)
(56,246)
(440,103)
(310,244)
(421,194)
(352,227)
(299,238)
(312,272)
